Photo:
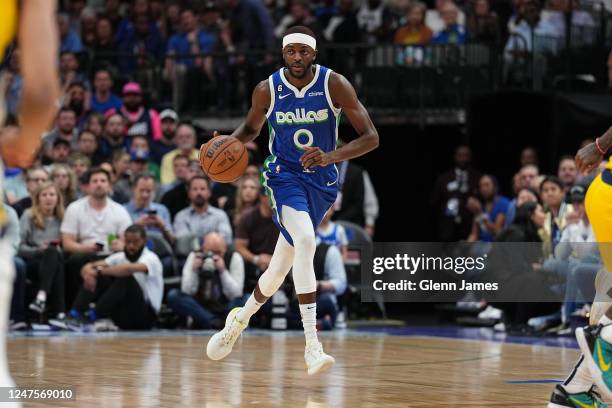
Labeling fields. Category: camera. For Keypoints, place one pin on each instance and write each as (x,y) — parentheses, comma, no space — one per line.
(207,270)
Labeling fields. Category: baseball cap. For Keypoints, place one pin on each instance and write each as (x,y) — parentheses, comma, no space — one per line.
(577,193)
(139,155)
(132,87)
(169,114)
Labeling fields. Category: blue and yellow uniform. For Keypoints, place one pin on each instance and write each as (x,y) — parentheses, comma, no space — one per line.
(296,119)
(8,24)
(598,204)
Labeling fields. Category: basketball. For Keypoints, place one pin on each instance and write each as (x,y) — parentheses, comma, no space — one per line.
(223,159)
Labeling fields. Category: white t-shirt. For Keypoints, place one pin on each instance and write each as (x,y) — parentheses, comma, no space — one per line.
(152,282)
(91,226)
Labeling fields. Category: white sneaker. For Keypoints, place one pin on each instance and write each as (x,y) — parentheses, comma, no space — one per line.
(220,345)
(491,313)
(316,359)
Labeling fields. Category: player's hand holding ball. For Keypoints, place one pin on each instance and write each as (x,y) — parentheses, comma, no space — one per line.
(223,158)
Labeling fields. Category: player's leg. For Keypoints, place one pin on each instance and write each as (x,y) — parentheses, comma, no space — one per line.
(7,273)
(299,225)
(220,345)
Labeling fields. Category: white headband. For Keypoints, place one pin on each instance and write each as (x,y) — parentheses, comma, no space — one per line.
(299,38)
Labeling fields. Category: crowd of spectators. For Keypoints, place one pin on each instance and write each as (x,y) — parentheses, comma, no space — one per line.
(544,209)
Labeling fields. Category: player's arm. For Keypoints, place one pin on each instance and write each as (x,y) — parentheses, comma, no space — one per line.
(256,117)
(344,96)
(38,41)
(589,157)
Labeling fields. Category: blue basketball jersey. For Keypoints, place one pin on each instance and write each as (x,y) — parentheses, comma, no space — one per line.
(300,118)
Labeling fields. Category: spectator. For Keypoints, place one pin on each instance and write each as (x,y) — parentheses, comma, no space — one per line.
(141,152)
(142,45)
(200,217)
(112,11)
(70,71)
(185,65)
(35,177)
(583,25)
(92,226)
(14,185)
(144,211)
(169,122)
(375,20)
(171,20)
(212,284)
(87,145)
(529,155)
(94,124)
(299,15)
(551,190)
(137,8)
(79,164)
(224,194)
(113,136)
(126,287)
(13,83)
(139,120)
(332,233)
(256,237)
(526,179)
(530,28)
(175,196)
(247,197)
(65,129)
(88,26)
(105,47)
(122,188)
(40,240)
(567,172)
(69,39)
(185,141)
(77,99)
(103,99)
(59,152)
(450,195)
(414,32)
(453,32)
(482,23)
(434,19)
(324,11)
(343,27)
(489,212)
(524,195)
(64,179)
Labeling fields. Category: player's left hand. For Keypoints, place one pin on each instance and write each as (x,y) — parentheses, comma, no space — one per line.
(314,156)
(588,158)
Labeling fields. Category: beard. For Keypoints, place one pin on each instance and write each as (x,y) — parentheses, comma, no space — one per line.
(304,72)
(199,202)
(133,256)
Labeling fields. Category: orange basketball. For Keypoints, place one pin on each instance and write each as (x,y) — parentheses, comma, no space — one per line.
(224,158)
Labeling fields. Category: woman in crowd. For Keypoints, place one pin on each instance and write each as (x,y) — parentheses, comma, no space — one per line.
(65,180)
(40,248)
(414,32)
(489,212)
(247,197)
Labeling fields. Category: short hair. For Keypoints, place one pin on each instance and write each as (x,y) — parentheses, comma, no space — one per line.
(142,176)
(35,168)
(301,30)
(103,69)
(136,229)
(551,179)
(194,178)
(181,156)
(97,170)
(65,109)
(118,154)
(146,139)
(76,84)
(76,157)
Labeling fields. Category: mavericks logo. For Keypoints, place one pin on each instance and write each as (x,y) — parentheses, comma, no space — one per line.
(300,117)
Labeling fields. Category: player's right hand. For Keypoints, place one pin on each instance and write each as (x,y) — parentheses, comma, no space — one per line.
(588,158)
(13,154)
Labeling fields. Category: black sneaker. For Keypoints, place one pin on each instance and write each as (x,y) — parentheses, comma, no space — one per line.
(38,306)
(60,322)
(562,399)
(76,324)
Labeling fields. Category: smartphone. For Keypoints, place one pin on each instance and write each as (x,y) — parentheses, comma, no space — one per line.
(151,212)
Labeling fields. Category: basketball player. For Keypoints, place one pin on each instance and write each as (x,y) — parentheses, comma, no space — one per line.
(302,104)
(595,341)
(38,42)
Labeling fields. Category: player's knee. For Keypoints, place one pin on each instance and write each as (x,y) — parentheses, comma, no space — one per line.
(305,243)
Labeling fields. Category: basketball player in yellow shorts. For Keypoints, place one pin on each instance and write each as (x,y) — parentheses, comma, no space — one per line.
(595,341)
(34,24)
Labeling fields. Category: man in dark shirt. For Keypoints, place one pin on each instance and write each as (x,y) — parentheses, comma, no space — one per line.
(176,198)
(256,237)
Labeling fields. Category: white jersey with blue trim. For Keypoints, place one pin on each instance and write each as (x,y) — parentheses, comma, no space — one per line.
(300,118)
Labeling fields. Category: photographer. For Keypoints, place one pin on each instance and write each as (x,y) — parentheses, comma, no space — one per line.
(212,284)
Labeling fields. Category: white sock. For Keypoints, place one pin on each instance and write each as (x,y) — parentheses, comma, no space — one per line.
(309,320)
(605,320)
(41,296)
(250,308)
(580,379)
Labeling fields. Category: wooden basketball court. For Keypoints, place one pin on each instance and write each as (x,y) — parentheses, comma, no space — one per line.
(266,369)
